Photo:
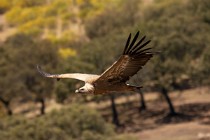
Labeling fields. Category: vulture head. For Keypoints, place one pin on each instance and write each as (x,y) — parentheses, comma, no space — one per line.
(87,88)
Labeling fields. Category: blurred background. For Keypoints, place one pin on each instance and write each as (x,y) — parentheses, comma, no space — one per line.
(87,36)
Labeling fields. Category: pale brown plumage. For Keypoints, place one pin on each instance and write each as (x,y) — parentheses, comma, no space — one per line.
(134,57)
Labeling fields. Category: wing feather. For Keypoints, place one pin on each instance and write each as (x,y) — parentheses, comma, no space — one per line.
(140,47)
(133,59)
(79,76)
(133,41)
(127,43)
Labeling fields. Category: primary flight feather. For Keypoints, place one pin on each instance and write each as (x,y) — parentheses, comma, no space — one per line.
(133,58)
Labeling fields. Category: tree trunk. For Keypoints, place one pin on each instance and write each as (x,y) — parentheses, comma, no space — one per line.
(142,101)
(9,110)
(115,118)
(42,109)
(170,105)
(7,106)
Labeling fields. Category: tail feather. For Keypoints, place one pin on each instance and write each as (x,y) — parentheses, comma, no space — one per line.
(134,88)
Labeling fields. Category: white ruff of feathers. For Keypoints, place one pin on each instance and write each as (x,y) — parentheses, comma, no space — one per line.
(89,87)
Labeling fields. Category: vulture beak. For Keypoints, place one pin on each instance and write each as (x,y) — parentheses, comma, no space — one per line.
(77,91)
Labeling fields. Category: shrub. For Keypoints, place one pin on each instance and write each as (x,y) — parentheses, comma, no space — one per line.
(75,122)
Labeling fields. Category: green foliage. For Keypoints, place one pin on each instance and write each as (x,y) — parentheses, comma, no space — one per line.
(105,23)
(180,36)
(202,69)
(62,91)
(18,67)
(75,122)
(11,85)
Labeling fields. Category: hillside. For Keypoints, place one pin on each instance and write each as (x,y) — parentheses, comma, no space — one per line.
(88,36)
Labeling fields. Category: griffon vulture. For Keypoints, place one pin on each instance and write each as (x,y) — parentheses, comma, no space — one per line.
(114,78)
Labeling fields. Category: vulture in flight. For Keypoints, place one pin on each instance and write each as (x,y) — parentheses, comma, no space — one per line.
(133,58)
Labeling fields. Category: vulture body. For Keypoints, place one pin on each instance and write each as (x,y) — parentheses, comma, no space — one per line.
(133,58)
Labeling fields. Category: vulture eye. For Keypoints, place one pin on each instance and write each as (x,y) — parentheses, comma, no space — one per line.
(82,89)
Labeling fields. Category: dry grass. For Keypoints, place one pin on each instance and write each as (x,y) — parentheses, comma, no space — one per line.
(183,131)
(192,122)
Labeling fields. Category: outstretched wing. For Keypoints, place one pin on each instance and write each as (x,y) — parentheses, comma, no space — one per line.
(89,78)
(130,62)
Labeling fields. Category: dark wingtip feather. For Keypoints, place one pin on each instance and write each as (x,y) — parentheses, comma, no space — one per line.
(136,47)
(127,43)
(39,69)
(132,43)
(131,49)
(145,43)
(144,51)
